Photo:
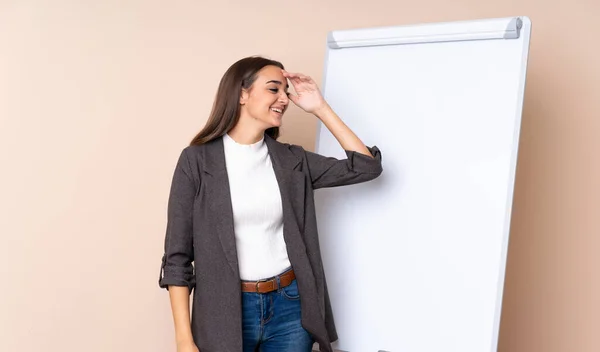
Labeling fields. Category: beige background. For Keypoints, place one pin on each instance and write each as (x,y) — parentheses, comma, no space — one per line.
(97,98)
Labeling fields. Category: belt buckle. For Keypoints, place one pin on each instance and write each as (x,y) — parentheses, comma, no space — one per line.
(258,282)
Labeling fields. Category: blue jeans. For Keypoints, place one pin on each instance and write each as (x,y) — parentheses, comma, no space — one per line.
(271,321)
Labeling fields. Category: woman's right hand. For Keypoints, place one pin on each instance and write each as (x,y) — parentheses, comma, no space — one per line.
(187,347)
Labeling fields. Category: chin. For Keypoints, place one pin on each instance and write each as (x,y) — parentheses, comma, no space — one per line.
(275,123)
(270,122)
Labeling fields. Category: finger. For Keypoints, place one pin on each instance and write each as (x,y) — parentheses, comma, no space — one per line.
(299,77)
(289,74)
(304,77)
(300,83)
(296,82)
(303,84)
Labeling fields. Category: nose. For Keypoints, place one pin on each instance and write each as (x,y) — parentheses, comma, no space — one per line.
(284,99)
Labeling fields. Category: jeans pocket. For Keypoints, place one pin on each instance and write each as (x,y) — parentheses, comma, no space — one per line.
(291,291)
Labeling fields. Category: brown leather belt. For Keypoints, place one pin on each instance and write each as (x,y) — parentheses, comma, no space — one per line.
(264,286)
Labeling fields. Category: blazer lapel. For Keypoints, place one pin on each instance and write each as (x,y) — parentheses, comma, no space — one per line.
(220,199)
(281,156)
(290,178)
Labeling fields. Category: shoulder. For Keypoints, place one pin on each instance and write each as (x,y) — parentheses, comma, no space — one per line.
(192,150)
(298,150)
(200,150)
(205,156)
(285,148)
(191,154)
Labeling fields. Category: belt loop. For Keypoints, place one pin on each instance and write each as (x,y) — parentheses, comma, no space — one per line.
(278,283)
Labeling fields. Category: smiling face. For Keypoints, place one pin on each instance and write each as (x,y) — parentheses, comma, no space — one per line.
(266,100)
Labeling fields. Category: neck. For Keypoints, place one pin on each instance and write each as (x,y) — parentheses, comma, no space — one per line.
(245,132)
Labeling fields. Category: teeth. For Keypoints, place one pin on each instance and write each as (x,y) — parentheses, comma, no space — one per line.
(277,110)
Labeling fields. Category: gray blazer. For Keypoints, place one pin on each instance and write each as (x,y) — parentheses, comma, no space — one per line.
(200,231)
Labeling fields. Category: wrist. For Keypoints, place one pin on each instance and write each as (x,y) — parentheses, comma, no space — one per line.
(323,111)
(184,340)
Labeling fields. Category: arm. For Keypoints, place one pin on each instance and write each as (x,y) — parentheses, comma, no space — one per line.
(177,271)
(177,268)
(309,98)
(362,164)
(180,306)
(344,135)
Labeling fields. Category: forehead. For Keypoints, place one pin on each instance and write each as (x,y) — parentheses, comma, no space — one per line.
(269,73)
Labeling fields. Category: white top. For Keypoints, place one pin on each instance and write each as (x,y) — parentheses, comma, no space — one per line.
(257,210)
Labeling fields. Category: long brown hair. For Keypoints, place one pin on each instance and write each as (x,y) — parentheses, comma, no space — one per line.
(226,107)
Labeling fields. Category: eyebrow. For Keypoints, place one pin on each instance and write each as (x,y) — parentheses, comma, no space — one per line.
(277,82)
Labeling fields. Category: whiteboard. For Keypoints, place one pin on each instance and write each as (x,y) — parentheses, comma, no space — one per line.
(415,259)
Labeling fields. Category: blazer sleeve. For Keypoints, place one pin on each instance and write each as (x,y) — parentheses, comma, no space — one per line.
(177,268)
(331,172)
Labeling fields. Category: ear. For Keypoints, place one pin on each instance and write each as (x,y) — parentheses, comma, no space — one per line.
(244,96)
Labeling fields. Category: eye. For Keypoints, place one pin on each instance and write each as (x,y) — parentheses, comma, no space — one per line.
(276,90)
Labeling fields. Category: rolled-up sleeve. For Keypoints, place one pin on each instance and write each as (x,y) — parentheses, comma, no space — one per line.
(177,262)
(332,172)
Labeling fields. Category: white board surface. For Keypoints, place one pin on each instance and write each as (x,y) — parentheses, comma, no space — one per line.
(415,259)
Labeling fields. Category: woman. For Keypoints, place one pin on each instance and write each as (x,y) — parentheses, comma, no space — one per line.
(241,228)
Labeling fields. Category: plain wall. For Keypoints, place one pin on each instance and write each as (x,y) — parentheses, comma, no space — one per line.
(97,99)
